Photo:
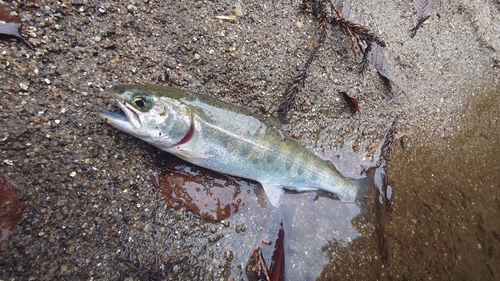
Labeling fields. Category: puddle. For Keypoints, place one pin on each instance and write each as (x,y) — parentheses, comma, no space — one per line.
(293,238)
(205,193)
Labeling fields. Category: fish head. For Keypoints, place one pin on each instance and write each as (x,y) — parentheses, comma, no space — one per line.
(152,113)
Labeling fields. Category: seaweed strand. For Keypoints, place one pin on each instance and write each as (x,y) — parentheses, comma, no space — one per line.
(298,82)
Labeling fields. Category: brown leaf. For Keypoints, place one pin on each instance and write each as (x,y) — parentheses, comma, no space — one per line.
(10,26)
(11,210)
(6,16)
(351,102)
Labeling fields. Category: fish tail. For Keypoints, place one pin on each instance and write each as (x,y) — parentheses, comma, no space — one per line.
(364,189)
(359,203)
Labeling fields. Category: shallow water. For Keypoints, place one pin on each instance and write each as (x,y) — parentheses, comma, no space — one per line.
(447,203)
(449,196)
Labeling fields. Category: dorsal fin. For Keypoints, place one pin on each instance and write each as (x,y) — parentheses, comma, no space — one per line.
(273,121)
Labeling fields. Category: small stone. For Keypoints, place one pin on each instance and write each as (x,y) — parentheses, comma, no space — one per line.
(64,268)
(72,174)
(197,56)
(238,11)
(240,228)
(24,85)
(70,249)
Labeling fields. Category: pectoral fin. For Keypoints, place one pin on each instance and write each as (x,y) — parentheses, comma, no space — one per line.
(188,154)
(274,193)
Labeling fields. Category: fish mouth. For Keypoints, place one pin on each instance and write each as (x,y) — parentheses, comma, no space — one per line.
(128,120)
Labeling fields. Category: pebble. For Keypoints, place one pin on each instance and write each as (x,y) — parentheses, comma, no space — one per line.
(238,11)
(24,85)
(64,268)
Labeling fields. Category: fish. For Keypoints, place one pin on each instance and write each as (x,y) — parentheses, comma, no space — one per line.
(219,136)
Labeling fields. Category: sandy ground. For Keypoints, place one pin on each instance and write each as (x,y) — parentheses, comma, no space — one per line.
(91,204)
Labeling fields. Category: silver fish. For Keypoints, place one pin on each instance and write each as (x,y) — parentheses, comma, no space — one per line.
(222,137)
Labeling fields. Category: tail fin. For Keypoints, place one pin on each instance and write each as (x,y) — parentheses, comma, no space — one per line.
(360,204)
(365,189)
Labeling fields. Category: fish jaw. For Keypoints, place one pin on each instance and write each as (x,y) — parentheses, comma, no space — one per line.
(117,120)
(129,122)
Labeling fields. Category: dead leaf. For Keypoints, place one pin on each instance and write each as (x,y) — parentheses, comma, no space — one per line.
(11,210)
(10,26)
(351,102)
(351,13)
(377,59)
(205,193)
(423,7)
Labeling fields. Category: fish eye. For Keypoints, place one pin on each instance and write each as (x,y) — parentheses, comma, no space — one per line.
(141,101)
